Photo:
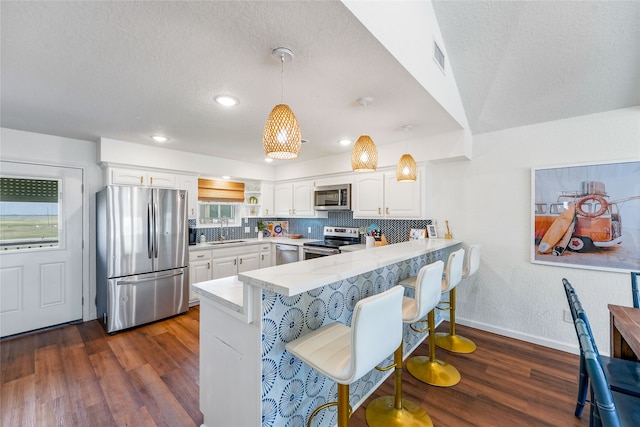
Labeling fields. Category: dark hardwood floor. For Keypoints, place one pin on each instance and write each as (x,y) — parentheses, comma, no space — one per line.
(79,375)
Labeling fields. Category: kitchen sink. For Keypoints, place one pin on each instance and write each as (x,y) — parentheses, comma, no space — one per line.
(225,242)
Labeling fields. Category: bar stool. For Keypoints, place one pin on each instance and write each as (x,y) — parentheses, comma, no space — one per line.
(450,341)
(390,411)
(344,354)
(429,369)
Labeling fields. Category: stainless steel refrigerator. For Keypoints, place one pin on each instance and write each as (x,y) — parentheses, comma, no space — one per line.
(142,255)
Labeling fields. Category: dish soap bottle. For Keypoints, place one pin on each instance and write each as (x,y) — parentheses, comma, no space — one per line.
(203,239)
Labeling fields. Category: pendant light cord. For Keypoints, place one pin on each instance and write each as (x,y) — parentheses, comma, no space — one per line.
(282,77)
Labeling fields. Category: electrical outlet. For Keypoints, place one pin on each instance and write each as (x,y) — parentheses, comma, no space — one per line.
(247,229)
(309,230)
(566,316)
(256,229)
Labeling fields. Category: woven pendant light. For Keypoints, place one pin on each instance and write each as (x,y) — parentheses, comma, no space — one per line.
(407,170)
(364,156)
(281,137)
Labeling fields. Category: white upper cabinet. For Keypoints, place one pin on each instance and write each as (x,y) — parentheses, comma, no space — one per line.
(368,195)
(402,199)
(190,183)
(123,176)
(296,199)
(268,205)
(303,198)
(380,195)
(283,199)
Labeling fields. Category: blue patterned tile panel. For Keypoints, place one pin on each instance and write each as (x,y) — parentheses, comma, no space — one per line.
(291,390)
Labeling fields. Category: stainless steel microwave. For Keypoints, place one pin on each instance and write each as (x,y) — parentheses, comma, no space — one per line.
(332,198)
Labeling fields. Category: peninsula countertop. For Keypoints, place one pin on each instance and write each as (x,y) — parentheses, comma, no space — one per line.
(296,278)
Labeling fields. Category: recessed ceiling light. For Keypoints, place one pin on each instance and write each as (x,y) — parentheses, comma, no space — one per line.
(226,100)
(159,138)
(344,142)
(268,160)
(226,177)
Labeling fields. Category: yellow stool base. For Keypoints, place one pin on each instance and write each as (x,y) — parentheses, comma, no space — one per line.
(454,343)
(436,373)
(381,412)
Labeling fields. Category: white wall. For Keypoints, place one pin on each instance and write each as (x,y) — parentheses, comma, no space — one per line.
(488,201)
(52,150)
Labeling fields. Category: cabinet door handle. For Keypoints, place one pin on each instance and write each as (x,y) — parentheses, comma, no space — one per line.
(141,179)
(151,180)
(208,266)
(200,256)
(379,211)
(235,261)
(240,260)
(387,211)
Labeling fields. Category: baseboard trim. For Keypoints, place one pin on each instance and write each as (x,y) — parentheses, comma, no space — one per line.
(545,342)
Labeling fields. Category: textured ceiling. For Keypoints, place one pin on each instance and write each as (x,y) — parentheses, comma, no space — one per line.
(524,62)
(128,70)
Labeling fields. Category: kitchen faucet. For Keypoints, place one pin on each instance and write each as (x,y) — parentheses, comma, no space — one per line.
(224,222)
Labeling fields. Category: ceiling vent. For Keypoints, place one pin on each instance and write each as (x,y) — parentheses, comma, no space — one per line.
(438,56)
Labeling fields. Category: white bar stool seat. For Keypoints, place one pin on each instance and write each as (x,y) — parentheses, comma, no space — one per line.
(392,411)
(344,354)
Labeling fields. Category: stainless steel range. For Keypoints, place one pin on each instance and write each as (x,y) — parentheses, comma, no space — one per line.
(334,238)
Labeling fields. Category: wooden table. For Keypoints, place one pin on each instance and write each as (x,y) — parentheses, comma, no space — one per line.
(625,332)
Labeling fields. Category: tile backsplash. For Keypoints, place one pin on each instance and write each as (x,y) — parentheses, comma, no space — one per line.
(395,230)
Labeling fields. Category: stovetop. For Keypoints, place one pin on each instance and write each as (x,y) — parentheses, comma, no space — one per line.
(334,237)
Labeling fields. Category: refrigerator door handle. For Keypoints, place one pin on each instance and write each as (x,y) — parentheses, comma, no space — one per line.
(149,279)
(155,230)
(150,228)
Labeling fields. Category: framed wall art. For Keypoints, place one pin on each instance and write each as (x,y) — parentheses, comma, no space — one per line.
(431,231)
(587,216)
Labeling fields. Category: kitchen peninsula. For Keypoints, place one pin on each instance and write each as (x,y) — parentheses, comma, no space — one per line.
(247,378)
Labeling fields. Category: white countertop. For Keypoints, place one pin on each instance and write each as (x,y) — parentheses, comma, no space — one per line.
(295,278)
(227,291)
(250,241)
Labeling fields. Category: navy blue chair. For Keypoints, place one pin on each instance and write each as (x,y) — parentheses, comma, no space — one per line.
(622,375)
(635,294)
(608,408)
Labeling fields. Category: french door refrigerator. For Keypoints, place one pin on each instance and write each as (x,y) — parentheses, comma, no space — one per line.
(142,255)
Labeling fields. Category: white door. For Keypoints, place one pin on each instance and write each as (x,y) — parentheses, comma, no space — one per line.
(41,237)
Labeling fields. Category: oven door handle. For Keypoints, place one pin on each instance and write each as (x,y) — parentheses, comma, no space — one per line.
(321,251)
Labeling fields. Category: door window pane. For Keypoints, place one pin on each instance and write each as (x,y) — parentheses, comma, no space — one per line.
(29,213)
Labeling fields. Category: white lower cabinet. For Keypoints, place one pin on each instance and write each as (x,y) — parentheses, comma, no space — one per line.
(199,271)
(209,264)
(231,265)
(266,256)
